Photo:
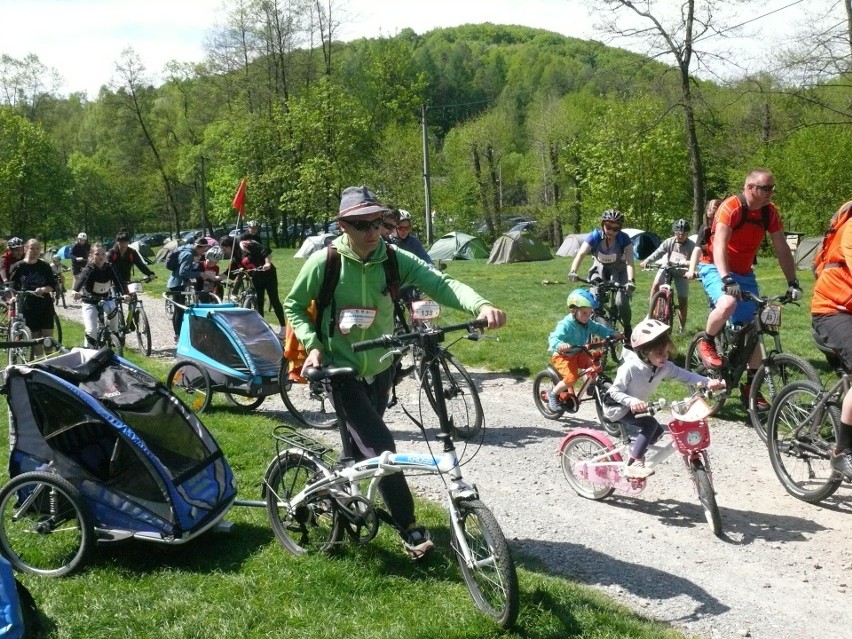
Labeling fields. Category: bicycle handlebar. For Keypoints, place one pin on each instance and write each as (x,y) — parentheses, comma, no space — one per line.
(605,343)
(388,341)
(764,301)
(600,283)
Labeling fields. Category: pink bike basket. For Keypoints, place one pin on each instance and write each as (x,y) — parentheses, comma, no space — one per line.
(689,437)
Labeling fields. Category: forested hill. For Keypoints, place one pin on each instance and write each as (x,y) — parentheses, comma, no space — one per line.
(522,122)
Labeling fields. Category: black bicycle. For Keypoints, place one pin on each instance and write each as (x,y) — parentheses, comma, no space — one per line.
(608,313)
(735,345)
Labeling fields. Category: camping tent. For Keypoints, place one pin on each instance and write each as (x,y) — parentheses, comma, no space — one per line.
(458,246)
(806,251)
(518,246)
(571,244)
(314,243)
(144,251)
(165,249)
(644,242)
(64,252)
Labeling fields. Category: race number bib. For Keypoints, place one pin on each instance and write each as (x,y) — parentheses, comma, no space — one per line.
(101,288)
(424,310)
(607,258)
(350,317)
(677,258)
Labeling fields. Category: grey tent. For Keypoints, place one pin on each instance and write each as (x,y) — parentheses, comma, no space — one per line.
(644,242)
(314,243)
(165,249)
(144,251)
(518,246)
(806,251)
(571,244)
(458,246)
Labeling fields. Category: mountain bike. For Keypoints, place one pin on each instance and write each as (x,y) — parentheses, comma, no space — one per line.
(735,345)
(315,503)
(136,320)
(109,308)
(594,466)
(59,291)
(608,312)
(247,297)
(593,385)
(16,330)
(664,303)
(802,430)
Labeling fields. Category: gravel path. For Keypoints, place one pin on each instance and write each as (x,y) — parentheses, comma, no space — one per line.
(784,568)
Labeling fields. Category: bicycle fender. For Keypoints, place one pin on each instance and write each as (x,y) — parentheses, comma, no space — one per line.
(590,432)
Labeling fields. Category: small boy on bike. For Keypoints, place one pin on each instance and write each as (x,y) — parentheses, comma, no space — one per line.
(575,329)
(637,378)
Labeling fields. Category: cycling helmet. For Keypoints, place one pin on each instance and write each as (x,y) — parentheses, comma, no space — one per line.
(82,236)
(612,215)
(404,215)
(581,298)
(252,224)
(15,242)
(647,331)
(214,254)
(681,226)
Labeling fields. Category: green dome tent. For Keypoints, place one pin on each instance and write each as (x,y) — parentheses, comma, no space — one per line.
(458,246)
(518,246)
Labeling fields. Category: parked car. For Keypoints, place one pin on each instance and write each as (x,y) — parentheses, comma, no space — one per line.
(529,225)
(506,223)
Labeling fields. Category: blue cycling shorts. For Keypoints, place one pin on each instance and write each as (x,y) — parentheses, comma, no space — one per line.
(714,288)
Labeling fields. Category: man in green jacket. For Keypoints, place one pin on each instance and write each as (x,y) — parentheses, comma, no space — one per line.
(364,310)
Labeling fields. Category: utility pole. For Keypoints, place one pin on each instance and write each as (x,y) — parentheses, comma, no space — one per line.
(205,224)
(426,186)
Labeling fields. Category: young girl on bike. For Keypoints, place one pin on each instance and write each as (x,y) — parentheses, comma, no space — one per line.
(678,250)
(637,378)
(96,281)
(575,329)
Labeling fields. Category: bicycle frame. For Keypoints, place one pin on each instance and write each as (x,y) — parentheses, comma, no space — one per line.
(745,339)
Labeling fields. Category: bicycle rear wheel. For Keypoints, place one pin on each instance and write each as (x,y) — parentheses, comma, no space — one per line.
(694,363)
(464,408)
(581,448)
(308,402)
(782,369)
(800,442)
(707,496)
(661,308)
(143,331)
(243,401)
(314,525)
(44,528)
(490,576)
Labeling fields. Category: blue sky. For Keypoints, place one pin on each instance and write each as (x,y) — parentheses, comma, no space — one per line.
(82,39)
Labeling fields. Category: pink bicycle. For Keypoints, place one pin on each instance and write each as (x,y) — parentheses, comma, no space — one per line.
(594,466)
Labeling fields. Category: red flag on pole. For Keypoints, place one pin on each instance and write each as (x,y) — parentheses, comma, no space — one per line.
(239,202)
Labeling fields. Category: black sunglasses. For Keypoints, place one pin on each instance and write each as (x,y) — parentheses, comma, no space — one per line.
(364,225)
(389,227)
(766,188)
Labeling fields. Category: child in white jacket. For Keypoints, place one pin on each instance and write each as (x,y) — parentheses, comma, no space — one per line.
(637,378)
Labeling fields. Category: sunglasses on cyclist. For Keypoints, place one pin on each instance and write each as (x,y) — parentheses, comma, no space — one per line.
(365,225)
(766,188)
(612,227)
(389,227)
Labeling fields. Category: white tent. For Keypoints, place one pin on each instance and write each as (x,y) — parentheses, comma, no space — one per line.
(314,243)
(571,244)
(144,251)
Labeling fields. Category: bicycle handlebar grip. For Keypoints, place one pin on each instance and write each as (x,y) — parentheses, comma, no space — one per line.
(379,342)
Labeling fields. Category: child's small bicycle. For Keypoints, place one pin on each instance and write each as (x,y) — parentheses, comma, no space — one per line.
(593,385)
(594,466)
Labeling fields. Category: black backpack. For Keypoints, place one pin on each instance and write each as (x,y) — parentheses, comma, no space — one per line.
(331,277)
(705,233)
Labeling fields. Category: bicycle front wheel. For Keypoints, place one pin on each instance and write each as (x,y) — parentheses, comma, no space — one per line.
(44,528)
(464,409)
(19,332)
(582,448)
(543,385)
(801,440)
(490,573)
(661,308)
(191,384)
(695,364)
(707,496)
(143,331)
(769,379)
(57,327)
(308,402)
(312,525)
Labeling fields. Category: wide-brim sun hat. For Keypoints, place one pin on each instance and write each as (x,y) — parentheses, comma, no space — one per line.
(356,201)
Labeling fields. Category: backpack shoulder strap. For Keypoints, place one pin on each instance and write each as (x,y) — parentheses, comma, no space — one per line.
(330,278)
(392,278)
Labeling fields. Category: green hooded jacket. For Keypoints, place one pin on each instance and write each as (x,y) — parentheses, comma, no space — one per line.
(363,310)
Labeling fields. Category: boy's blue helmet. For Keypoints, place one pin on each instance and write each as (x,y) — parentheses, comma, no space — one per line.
(581,298)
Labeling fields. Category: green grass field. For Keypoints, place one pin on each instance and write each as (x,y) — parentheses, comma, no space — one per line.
(243,584)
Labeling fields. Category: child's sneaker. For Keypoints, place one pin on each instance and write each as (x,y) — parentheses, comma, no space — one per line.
(552,402)
(637,470)
(417,542)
